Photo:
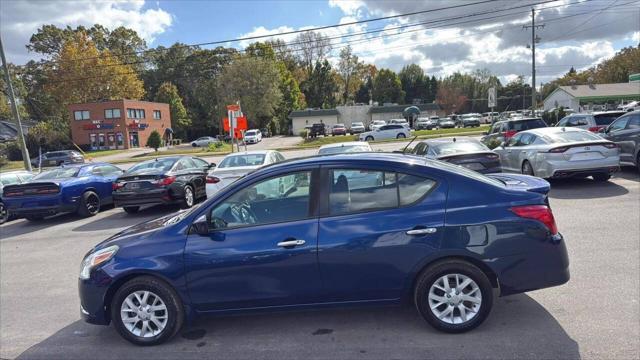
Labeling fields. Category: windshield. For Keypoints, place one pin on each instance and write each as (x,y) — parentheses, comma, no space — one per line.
(571,136)
(59,173)
(242,160)
(458,147)
(160,164)
(378,122)
(250,133)
(344,149)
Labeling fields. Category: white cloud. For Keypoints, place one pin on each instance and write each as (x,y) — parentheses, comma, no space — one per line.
(20,19)
(349,7)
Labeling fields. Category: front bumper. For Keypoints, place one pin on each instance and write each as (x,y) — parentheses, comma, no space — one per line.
(251,140)
(93,293)
(149,197)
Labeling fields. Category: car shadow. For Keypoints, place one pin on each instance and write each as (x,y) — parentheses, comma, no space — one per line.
(519,327)
(584,189)
(119,218)
(19,227)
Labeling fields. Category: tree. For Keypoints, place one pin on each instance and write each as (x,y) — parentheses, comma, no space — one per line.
(154,141)
(450,99)
(255,83)
(415,83)
(321,86)
(168,93)
(387,87)
(348,68)
(312,47)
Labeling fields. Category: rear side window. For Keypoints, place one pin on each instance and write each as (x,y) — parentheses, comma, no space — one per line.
(526,124)
(606,119)
(413,188)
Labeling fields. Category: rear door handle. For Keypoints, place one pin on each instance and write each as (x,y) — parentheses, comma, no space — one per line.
(291,243)
(422,231)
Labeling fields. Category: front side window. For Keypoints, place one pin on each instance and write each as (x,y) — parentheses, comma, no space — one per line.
(280,199)
(618,124)
(634,122)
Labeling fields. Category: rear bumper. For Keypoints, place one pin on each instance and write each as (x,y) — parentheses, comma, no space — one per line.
(149,197)
(567,169)
(563,174)
(43,206)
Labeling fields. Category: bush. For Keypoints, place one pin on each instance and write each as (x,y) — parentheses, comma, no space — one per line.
(304,134)
(154,140)
(11,151)
(3,154)
(215,147)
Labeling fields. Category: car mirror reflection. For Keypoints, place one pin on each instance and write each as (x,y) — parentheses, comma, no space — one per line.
(200,226)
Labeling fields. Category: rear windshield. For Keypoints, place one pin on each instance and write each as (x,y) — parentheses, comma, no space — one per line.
(457,147)
(571,136)
(161,164)
(242,160)
(528,124)
(344,149)
(606,119)
(57,154)
(59,173)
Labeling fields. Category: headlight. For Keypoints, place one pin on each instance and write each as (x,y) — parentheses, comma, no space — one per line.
(95,259)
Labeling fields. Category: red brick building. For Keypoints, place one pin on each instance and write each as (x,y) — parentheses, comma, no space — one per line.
(117,124)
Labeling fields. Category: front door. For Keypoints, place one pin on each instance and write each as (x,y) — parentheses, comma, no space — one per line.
(261,249)
(376,228)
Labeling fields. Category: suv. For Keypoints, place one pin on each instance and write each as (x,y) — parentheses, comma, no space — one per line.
(57,158)
(504,130)
(592,122)
(468,120)
(425,123)
(625,131)
(317,130)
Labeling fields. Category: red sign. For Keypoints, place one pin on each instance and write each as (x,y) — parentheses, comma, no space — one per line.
(141,126)
(241,123)
(234,107)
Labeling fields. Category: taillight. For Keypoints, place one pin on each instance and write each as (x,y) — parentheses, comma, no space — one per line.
(116,186)
(594,129)
(509,134)
(558,149)
(541,213)
(492,156)
(610,145)
(46,191)
(212,180)
(166,181)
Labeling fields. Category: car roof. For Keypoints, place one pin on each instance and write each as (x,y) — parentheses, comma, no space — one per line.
(446,140)
(346,143)
(252,152)
(555,130)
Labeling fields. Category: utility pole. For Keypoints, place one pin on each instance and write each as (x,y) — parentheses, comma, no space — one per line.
(534,40)
(14,109)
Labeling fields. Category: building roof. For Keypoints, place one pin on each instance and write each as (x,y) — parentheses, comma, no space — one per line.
(313,112)
(602,90)
(400,108)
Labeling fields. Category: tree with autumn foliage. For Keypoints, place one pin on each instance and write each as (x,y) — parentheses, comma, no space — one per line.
(450,99)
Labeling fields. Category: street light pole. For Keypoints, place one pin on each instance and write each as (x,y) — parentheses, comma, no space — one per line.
(14,109)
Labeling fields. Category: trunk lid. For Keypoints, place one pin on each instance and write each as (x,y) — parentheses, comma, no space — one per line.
(523,182)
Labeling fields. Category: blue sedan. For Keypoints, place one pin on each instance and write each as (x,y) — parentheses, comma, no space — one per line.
(348,229)
(82,188)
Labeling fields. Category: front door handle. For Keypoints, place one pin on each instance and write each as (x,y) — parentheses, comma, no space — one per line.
(422,231)
(291,243)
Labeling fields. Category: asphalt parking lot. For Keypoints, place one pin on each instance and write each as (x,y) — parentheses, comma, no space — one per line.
(596,315)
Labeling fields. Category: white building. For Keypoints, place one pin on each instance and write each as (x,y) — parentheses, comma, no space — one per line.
(303,118)
(593,96)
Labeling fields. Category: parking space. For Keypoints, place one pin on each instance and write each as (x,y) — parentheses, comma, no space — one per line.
(596,315)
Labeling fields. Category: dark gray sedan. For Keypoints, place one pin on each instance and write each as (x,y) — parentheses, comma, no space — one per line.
(462,151)
(625,132)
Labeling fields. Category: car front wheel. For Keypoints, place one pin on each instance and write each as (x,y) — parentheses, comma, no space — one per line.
(400,136)
(454,296)
(146,311)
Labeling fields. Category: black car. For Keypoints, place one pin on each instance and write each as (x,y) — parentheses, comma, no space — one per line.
(466,152)
(504,130)
(625,131)
(57,158)
(169,180)
(317,130)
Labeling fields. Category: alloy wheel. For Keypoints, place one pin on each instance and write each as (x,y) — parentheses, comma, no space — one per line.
(93,204)
(188,196)
(144,314)
(455,299)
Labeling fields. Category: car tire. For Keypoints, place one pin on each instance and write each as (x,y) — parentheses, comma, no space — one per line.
(527,169)
(189,198)
(401,136)
(131,311)
(4,214)
(602,177)
(34,218)
(89,204)
(131,209)
(469,306)
(368,138)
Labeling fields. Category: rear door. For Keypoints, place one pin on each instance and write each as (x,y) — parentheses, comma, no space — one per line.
(376,226)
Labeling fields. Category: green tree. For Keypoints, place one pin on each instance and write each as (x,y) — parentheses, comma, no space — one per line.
(415,83)
(321,86)
(168,93)
(387,87)
(154,141)
(348,68)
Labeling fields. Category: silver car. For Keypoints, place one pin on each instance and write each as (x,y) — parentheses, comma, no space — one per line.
(554,152)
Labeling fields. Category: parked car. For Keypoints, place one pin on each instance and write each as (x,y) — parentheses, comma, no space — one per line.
(392,131)
(357,128)
(266,243)
(446,123)
(79,188)
(560,153)
(168,180)
(425,123)
(468,120)
(402,122)
(504,130)
(592,122)
(376,124)
(252,136)
(490,117)
(265,132)
(625,132)
(237,165)
(630,106)
(338,129)
(317,130)
(204,141)
(11,178)
(345,147)
(57,158)
(463,151)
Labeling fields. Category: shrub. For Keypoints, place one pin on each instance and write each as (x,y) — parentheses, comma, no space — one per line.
(304,133)
(215,147)
(154,140)
(11,151)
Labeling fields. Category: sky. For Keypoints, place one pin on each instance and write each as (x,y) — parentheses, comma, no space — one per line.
(487,35)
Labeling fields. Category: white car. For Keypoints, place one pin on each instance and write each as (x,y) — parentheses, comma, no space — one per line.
(391,131)
(402,122)
(345,147)
(236,165)
(376,124)
(204,141)
(252,136)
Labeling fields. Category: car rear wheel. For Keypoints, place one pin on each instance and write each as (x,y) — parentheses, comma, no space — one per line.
(189,198)
(527,169)
(4,214)
(131,209)
(454,296)
(400,136)
(369,138)
(146,311)
(601,177)
(89,204)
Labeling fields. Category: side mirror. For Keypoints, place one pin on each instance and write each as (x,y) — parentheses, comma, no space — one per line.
(200,226)
(212,165)
(602,130)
